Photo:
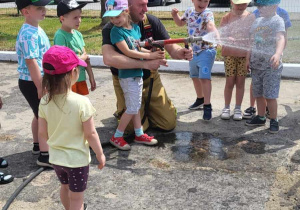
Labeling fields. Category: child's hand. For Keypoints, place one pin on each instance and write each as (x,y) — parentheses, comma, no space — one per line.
(93,84)
(40,93)
(84,57)
(157,55)
(102,160)
(275,59)
(174,12)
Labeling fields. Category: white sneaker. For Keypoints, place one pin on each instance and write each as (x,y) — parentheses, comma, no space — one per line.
(238,115)
(225,114)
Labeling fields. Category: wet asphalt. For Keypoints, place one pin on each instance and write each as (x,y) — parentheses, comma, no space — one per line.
(199,165)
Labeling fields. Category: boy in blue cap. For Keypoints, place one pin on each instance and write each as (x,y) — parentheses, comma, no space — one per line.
(265,61)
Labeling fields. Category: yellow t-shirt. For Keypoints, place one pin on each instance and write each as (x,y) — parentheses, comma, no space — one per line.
(64,115)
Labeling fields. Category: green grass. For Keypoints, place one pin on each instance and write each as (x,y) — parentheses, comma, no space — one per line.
(10,25)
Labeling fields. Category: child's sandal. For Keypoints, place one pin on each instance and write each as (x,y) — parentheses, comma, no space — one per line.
(3,163)
(5,178)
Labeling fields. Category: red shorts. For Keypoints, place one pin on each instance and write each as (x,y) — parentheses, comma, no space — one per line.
(80,88)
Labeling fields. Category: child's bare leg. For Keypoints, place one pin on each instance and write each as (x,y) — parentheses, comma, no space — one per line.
(240,89)
(272,106)
(64,196)
(34,129)
(198,87)
(125,119)
(261,106)
(136,119)
(206,84)
(76,200)
(252,99)
(230,81)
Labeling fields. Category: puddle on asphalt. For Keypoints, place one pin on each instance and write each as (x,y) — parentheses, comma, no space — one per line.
(188,146)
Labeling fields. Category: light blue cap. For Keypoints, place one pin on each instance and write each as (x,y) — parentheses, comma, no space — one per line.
(115,7)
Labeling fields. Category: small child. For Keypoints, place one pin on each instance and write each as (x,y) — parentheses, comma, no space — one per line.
(251,111)
(200,21)
(237,27)
(32,42)
(66,124)
(69,13)
(125,35)
(265,58)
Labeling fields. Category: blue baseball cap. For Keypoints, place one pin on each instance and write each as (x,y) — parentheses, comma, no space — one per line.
(266,2)
(115,7)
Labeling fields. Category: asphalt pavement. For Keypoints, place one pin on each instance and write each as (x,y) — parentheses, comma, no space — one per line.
(199,165)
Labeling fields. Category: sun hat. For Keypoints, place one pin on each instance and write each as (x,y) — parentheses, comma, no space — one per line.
(241,1)
(66,6)
(24,3)
(60,60)
(266,2)
(115,7)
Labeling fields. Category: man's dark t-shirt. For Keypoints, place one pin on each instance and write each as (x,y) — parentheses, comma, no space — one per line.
(159,32)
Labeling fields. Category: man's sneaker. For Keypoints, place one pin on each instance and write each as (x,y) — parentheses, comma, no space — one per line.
(274,126)
(255,121)
(237,114)
(36,149)
(197,105)
(43,160)
(207,112)
(249,113)
(120,143)
(225,114)
(145,139)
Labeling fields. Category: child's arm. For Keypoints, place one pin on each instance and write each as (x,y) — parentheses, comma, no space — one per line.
(42,131)
(92,137)
(211,27)
(35,75)
(136,54)
(280,44)
(90,72)
(177,18)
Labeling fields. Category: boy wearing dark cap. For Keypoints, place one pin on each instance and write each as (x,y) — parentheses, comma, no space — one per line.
(69,13)
(32,42)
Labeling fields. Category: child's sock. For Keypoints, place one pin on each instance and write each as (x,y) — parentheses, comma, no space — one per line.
(227,106)
(118,133)
(262,117)
(237,107)
(201,100)
(139,131)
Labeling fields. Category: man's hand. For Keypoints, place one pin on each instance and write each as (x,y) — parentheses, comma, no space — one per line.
(184,53)
(154,64)
(275,59)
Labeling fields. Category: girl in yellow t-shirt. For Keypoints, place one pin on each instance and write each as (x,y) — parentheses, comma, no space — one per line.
(66,124)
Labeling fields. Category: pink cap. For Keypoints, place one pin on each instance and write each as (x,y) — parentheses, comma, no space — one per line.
(60,60)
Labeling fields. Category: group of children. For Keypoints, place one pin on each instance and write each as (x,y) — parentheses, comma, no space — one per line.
(63,121)
(250,42)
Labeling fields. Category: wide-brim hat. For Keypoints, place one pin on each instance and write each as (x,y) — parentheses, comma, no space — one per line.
(241,1)
(66,6)
(24,3)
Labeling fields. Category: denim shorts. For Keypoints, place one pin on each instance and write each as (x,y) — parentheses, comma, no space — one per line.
(202,63)
(266,83)
(76,178)
(132,88)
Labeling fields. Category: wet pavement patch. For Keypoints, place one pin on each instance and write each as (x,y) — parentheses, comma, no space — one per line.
(189,146)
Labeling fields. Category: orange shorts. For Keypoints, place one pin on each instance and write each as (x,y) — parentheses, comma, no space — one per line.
(80,88)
